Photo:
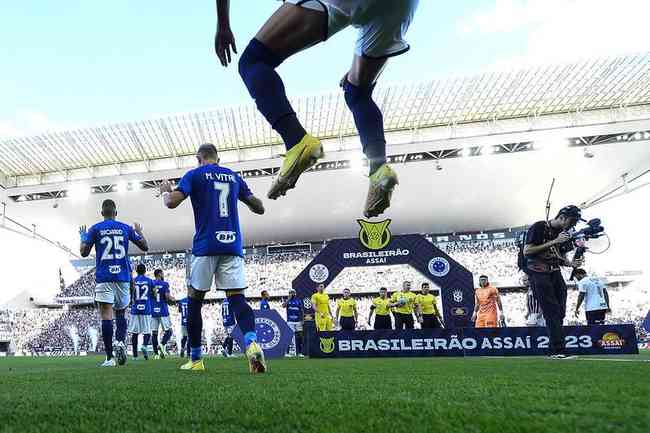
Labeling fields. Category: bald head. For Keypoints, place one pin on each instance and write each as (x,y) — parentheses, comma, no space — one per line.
(207,153)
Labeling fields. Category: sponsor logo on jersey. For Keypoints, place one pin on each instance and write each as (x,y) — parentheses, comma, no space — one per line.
(439,267)
(611,340)
(115,269)
(374,236)
(327,345)
(319,273)
(226,237)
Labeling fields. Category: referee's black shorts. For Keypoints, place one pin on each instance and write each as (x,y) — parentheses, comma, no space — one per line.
(430,321)
(403,321)
(595,317)
(348,323)
(383,322)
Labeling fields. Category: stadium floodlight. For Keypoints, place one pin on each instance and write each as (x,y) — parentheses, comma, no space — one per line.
(646,135)
(79,192)
(550,143)
(121,187)
(136,186)
(356,162)
(637,136)
(463,152)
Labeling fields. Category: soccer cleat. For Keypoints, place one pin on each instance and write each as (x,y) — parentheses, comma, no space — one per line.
(163,352)
(256,361)
(156,356)
(108,363)
(120,353)
(380,190)
(193,365)
(297,160)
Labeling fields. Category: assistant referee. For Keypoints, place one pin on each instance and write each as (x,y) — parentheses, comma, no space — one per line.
(380,307)
(346,311)
(429,316)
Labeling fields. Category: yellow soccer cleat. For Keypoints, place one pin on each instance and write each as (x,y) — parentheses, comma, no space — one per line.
(256,361)
(193,365)
(298,159)
(382,184)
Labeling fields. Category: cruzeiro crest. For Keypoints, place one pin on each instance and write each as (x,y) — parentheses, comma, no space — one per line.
(374,236)
(327,345)
(268,332)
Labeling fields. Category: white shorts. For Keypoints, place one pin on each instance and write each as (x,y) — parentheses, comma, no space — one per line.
(161,322)
(295,326)
(536,319)
(227,272)
(382,24)
(183,331)
(116,293)
(140,324)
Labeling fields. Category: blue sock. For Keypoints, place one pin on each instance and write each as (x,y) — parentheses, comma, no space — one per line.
(166,336)
(196,353)
(194,326)
(257,68)
(107,336)
(369,122)
(154,342)
(146,339)
(134,343)
(244,316)
(120,325)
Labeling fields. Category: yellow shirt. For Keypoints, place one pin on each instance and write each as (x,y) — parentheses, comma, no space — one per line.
(427,303)
(346,307)
(320,302)
(381,306)
(408,298)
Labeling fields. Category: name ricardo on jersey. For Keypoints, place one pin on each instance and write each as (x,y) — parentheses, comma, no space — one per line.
(376,256)
(223,177)
(109,232)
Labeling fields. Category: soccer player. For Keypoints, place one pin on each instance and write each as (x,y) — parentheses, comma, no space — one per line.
(264,302)
(594,293)
(486,300)
(380,307)
(160,314)
(321,304)
(140,323)
(403,305)
(217,248)
(112,274)
(182,309)
(294,309)
(300,24)
(346,311)
(229,324)
(534,316)
(429,316)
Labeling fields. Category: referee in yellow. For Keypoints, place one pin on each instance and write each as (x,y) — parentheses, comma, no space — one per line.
(381,310)
(403,305)
(346,311)
(320,301)
(429,316)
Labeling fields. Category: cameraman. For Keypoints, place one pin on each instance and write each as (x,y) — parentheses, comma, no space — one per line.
(545,252)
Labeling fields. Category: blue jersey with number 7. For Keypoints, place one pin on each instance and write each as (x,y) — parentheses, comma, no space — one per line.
(111,240)
(214,192)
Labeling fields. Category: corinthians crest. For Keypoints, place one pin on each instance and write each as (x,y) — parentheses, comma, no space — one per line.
(374,236)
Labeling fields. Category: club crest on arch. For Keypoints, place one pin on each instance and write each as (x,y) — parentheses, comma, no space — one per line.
(374,236)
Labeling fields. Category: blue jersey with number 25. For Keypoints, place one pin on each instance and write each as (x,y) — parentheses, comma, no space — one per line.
(111,240)
(214,191)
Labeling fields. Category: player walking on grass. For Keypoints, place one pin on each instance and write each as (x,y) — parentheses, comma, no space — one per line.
(112,274)
(298,25)
(160,314)
(143,296)
(217,248)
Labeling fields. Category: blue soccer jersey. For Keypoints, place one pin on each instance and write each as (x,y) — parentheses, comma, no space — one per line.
(214,191)
(294,310)
(159,305)
(226,314)
(264,304)
(182,308)
(111,240)
(142,295)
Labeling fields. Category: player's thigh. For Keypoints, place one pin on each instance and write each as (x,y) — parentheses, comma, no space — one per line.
(293,27)
(230,274)
(202,272)
(166,323)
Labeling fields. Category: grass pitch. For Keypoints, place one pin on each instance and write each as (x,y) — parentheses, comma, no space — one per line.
(301,395)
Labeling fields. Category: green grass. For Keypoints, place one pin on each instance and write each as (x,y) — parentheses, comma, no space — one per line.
(302,395)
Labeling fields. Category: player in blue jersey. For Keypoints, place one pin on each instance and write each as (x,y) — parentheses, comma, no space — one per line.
(144,293)
(182,309)
(112,274)
(229,324)
(264,302)
(294,320)
(217,248)
(298,25)
(160,314)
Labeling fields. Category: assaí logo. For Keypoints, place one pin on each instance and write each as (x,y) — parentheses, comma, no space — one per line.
(611,340)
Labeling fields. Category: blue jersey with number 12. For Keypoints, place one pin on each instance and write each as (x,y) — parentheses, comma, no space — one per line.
(214,191)
(111,240)
(142,295)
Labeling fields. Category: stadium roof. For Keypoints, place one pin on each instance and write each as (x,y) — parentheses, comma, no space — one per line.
(553,89)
